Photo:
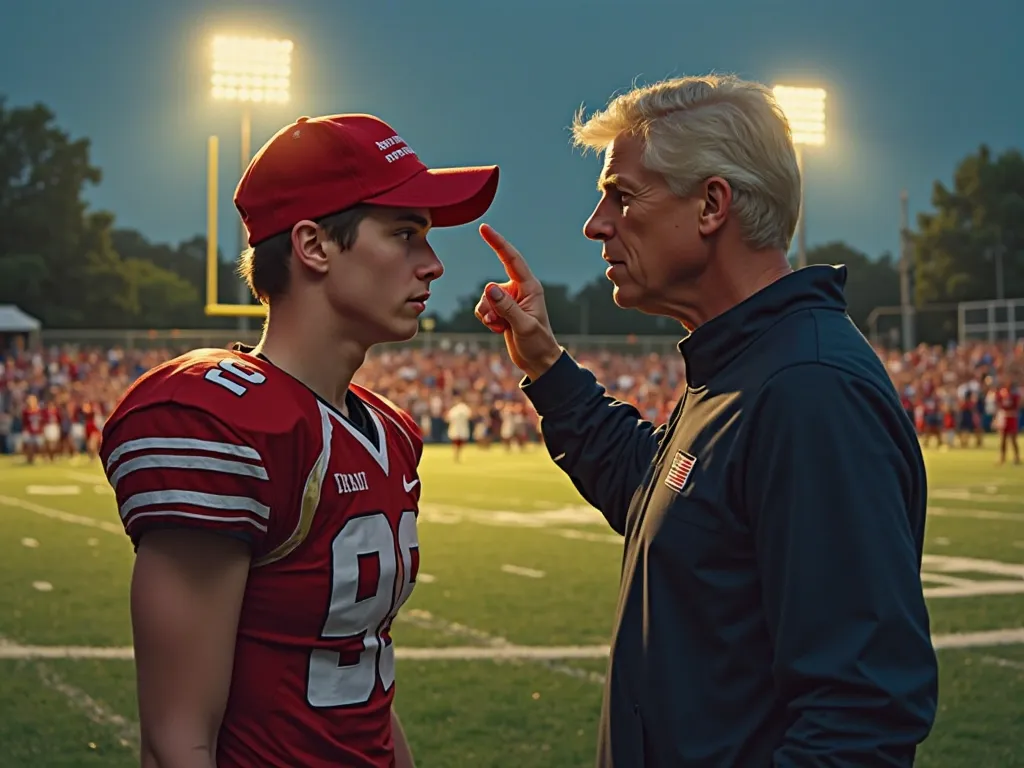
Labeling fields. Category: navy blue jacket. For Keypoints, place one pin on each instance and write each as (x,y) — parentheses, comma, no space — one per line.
(771,611)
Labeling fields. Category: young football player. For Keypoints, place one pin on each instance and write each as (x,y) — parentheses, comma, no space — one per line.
(272,502)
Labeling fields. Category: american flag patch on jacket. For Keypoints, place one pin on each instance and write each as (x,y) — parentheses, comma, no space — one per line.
(679,472)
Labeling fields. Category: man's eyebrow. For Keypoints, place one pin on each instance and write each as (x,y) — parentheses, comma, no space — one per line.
(605,183)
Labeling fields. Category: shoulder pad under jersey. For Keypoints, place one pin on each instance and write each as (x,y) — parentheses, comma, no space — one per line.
(241,390)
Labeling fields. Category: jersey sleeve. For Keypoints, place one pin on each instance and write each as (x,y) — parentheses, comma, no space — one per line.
(172,465)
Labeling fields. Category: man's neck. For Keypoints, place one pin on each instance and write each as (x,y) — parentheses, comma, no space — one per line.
(728,284)
(312,354)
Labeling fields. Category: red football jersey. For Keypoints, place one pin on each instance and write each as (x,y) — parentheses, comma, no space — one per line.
(1009,402)
(225,441)
(32,421)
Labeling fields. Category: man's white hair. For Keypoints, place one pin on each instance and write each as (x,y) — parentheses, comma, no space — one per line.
(697,127)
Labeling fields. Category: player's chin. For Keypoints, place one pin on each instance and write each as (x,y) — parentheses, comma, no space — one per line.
(405,323)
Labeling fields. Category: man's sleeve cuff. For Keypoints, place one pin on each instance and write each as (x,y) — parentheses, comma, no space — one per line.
(561,385)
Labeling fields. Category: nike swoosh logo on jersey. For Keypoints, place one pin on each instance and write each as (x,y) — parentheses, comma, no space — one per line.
(410,485)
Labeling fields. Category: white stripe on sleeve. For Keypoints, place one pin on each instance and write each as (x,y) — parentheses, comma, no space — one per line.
(195,516)
(181,443)
(212,501)
(173,461)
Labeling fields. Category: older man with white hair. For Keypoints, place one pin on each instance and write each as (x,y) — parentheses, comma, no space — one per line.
(771,611)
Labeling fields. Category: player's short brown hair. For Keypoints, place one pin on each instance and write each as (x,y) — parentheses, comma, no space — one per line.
(265,266)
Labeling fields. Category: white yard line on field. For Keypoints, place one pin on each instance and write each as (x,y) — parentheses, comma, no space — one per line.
(964,494)
(947,564)
(511,518)
(519,570)
(64,517)
(934,568)
(37,652)
(949,581)
(1005,663)
(451,514)
(427,620)
(451,653)
(976,514)
(127,731)
(429,513)
(505,653)
(87,477)
(485,646)
(989,639)
(498,648)
(603,538)
(465,471)
(53,490)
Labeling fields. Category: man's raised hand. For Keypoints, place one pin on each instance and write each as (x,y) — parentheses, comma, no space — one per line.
(516,308)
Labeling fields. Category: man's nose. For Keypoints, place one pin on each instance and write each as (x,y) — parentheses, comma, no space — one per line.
(599,226)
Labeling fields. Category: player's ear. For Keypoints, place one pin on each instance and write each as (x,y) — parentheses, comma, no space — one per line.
(308,246)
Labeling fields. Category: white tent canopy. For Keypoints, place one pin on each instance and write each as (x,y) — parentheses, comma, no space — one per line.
(13,320)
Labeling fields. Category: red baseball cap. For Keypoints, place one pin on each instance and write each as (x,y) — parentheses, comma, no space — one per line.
(322,165)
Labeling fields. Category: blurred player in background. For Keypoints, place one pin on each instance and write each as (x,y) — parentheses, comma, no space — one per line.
(92,419)
(272,503)
(32,429)
(969,417)
(1008,419)
(51,430)
(931,416)
(458,418)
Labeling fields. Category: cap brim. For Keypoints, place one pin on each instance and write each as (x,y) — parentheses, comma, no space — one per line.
(454,196)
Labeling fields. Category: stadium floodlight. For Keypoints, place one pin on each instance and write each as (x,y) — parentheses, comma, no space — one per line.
(804,108)
(249,71)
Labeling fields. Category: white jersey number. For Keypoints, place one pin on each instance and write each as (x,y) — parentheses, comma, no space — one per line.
(363,542)
(217,376)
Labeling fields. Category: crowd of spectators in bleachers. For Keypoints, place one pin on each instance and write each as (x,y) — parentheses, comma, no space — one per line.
(56,398)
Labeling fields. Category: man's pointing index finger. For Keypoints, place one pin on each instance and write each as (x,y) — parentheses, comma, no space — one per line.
(515,265)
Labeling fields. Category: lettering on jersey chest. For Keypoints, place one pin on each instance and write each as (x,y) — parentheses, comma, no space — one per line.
(351,482)
(360,464)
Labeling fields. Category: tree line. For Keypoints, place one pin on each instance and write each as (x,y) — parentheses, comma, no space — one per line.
(73,267)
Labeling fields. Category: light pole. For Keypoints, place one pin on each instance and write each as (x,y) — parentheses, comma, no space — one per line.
(250,70)
(804,108)
(906,274)
(996,254)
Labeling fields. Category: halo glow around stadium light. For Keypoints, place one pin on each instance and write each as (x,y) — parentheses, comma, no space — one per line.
(805,110)
(251,69)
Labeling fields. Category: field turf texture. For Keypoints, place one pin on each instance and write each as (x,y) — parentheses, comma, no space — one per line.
(502,647)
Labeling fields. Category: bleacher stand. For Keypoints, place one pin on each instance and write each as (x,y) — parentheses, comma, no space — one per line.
(76,387)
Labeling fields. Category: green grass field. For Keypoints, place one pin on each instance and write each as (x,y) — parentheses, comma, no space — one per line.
(510,557)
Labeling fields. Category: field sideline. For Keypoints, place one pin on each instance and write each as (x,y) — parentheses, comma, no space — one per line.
(502,648)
